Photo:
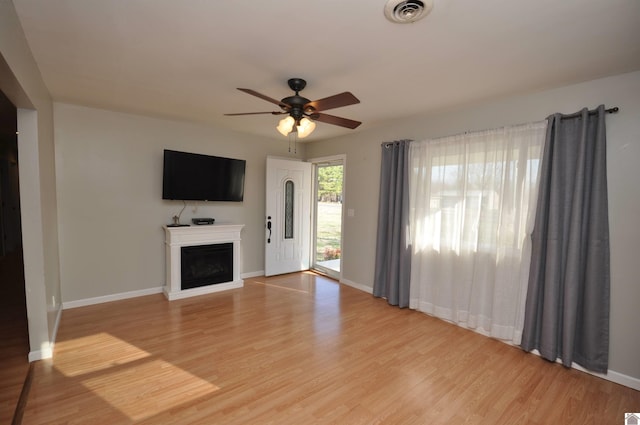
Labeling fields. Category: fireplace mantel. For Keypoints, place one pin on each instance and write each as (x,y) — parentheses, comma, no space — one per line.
(177,237)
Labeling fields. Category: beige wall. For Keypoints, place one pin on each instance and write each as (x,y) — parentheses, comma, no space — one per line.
(22,83)
(623,157)
(111,210)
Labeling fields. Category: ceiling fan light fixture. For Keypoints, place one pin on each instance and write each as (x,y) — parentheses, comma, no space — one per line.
(285,126)
(305,127)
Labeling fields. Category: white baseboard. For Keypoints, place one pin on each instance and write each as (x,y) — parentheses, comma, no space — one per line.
(252,274)
(611,375)
(619,378)
(46,352)
(359,286)
(107,298)
(132,294)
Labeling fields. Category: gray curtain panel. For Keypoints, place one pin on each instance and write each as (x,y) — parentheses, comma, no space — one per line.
(567,307)
(393,252)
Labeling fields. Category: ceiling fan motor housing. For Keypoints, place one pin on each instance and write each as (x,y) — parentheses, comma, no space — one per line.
(297,102)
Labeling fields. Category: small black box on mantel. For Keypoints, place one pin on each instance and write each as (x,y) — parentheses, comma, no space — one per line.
(201,221)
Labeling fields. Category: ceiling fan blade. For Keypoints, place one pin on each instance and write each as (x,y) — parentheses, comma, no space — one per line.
(331,119)
(267,98)
(257,113)
(335,101)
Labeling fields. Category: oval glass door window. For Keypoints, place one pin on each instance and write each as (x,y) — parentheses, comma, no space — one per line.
(288,209)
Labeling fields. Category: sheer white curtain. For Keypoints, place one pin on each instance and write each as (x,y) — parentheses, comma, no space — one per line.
(472,201)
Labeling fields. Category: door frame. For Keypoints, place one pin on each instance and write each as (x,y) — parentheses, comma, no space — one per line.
(314,217)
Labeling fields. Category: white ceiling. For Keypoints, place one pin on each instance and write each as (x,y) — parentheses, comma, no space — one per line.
(184,59)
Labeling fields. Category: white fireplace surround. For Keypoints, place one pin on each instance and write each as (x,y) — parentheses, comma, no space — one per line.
(177,237)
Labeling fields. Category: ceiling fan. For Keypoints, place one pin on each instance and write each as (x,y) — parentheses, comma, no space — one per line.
(302,112)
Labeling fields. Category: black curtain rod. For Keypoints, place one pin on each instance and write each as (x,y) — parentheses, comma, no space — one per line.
(613,110)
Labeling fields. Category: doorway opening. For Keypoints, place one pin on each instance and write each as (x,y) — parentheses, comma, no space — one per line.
(328,218)
(14,330)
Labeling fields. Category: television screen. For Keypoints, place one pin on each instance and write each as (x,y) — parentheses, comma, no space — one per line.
(195,177)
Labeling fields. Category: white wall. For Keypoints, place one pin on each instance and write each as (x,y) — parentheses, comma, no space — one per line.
(20,80)
(111,212)
(623,158)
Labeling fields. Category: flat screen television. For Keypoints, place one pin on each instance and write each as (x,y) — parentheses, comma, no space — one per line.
(195,177)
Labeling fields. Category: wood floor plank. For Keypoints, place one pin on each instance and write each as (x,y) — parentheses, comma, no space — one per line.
(299,349)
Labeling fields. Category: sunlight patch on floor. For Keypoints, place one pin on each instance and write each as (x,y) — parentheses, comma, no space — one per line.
(287,288)
(158,386)
(93,353)
(113,370)
(302,283)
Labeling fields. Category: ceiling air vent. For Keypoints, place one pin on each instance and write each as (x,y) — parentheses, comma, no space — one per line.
(407,11)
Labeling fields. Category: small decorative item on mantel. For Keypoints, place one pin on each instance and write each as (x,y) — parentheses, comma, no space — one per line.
(176,222)
(176,218)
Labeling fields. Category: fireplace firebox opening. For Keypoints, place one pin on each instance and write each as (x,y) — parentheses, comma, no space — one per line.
(203,265)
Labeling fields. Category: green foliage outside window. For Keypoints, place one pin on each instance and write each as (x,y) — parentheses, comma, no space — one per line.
(330,184)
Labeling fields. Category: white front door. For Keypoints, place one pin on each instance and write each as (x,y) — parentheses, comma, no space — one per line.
(288,216)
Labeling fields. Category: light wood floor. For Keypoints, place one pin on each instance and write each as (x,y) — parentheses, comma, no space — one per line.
(300,349)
